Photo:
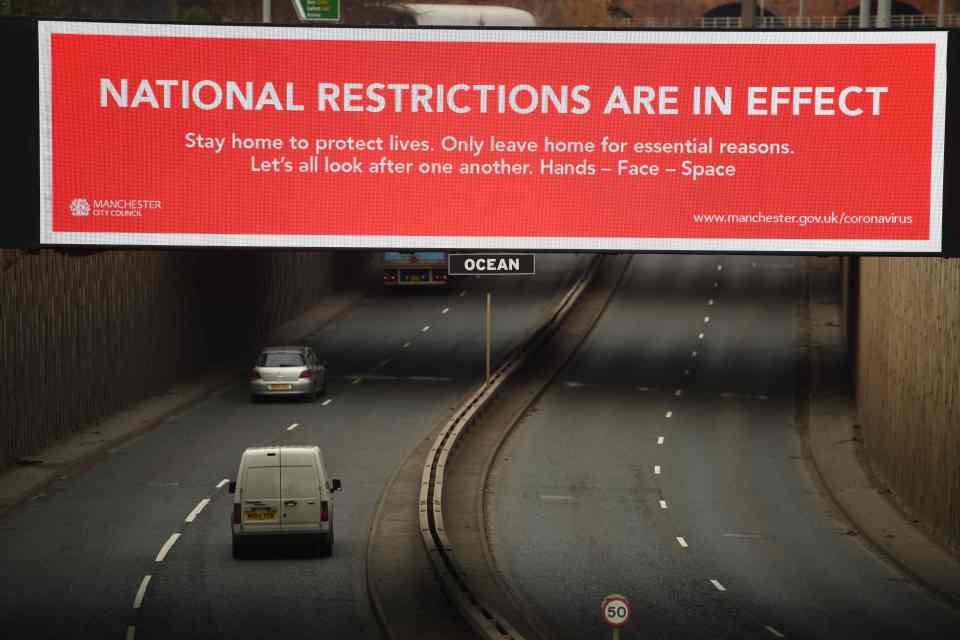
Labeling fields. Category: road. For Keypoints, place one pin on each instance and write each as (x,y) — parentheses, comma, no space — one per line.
(74,560)
(665,463)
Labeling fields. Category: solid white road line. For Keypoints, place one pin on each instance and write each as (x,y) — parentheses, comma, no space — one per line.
(682,542)
(165,549)
(445,311)
(643,388)
(223,483)
(425,329)
(774,631)
(326,402)
(571,383)
(293,426)
(406,345)
(131,632)
(660,440)
(142,591)
(197,509)
(656,469)
(717,584)
(663,504)
(668,414)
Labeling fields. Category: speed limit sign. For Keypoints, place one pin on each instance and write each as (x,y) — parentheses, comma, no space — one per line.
(615,610)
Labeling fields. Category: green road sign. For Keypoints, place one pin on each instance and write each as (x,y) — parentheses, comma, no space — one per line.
(317,9)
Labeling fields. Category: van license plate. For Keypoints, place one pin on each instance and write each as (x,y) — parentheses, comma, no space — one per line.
(261,515)
(280,387)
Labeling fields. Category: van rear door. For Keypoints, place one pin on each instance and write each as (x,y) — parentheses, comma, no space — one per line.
(261,511)
(302,494)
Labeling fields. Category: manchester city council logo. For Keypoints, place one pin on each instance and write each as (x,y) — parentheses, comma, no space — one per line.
(80,207)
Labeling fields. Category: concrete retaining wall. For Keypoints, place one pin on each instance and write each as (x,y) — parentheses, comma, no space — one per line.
(81,337)
(908,384)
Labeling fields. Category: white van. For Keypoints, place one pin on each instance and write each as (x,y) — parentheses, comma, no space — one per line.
(283,493)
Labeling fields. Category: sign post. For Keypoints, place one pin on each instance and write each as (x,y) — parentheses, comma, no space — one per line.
(317,9)
(486,325)
(615,611)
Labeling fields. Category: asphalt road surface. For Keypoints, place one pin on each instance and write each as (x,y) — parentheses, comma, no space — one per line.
(74,561)
(665,464)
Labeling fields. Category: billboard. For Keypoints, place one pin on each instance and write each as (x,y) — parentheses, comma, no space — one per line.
(741,141)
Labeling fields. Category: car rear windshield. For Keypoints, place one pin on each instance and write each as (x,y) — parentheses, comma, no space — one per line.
(280,359)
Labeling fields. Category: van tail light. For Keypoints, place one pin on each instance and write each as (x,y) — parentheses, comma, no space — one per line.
(324,511)
(236,513)
(254,374)
(307,373)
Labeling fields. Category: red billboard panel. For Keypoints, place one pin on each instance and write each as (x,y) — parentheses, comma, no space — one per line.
(185,135)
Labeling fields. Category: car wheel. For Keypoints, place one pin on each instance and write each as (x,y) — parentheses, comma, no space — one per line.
(239,549)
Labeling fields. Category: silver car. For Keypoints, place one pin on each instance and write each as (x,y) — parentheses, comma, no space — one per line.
(288,371)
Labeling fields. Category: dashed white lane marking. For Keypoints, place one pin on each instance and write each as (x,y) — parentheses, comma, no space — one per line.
(706,318)
(378,378)
(326,402)
(165,549)
(383,363)
(406,345)
(719,267)
(742,535)
(557,498)
(463,293)
(197,509)
(656,469)
(142,591)
(660,440)
(716,285)
(223,483)
(743,396)
(717,584)
(668,414)
(694,354)
(131,632)
(710,302)
(678,392)
(445,311)
(700,336)
(571,383)
(425,329)
(682,542)
(357,381)
(774,631)
(663,504)
(686,372)
(293,426)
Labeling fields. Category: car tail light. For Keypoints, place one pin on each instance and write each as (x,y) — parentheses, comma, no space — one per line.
(307,373)
(390,277)
(324,511)
(440,277)
(254,374)
(236,513)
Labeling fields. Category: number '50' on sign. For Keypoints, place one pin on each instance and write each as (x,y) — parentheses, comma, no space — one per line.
(615,610)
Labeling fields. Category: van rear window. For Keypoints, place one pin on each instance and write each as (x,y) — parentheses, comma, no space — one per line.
(300,482)
(261,483)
